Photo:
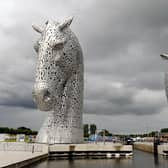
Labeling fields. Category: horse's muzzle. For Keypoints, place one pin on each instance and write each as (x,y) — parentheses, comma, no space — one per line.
(43,99)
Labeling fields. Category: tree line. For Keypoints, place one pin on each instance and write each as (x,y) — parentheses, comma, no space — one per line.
(150,134)
(87,130)
(19,130)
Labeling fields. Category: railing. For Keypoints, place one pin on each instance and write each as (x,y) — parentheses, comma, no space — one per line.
(19,146)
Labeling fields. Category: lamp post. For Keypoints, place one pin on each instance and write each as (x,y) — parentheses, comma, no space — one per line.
(104,140)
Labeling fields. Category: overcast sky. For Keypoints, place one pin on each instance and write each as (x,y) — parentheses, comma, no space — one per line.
(121,42)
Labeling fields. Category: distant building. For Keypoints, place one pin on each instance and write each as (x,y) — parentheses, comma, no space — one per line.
(95,138)
(32,138)
(100,138)
(163,137)
(20,137)
(148,139)
(3,137)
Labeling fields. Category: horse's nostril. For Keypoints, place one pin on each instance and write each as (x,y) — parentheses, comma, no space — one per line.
(41,95)
(47,96)
(33,92)
(46,93)
(34,96)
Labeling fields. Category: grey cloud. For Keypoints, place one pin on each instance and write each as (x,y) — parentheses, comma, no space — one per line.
(117,98)
(19,116)
(121,42)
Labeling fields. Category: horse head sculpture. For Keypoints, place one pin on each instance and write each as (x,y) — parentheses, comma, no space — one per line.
(165,57)
(58,85)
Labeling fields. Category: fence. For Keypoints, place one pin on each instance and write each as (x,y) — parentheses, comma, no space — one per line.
(18,146)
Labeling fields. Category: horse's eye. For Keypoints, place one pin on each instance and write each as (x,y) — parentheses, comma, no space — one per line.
(58,44)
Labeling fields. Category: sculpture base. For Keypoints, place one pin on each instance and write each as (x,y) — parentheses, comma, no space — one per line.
(52,133)
(59,135)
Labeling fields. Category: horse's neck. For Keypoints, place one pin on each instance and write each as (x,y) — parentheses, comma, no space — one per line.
(71,101)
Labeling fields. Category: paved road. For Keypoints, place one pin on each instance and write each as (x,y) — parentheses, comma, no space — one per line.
(11,157)
(14,152)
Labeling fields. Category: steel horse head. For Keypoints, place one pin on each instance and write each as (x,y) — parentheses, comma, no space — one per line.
(59,82)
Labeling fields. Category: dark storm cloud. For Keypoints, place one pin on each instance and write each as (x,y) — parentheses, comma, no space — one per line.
(116,98)
(19,116)
(121,42)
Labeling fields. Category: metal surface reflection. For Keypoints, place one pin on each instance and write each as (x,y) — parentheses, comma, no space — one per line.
(59,83)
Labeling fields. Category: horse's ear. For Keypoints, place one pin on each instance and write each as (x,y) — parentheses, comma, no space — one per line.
(164,56)
(66,23)
(37,28)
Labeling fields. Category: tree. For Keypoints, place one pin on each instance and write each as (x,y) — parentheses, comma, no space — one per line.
(24,130)
(86,130)
(20,130)
(105,132)
(4,130)
(164,130)
(153,133)
(93,129)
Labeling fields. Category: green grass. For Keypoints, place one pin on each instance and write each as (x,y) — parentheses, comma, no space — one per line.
(10,140)
(27,140)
